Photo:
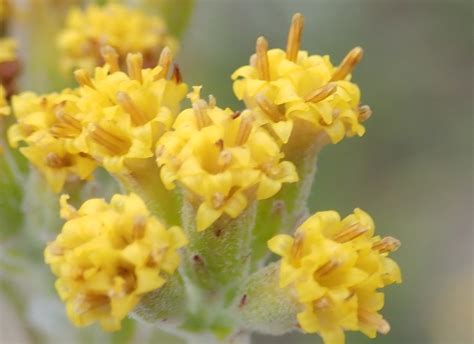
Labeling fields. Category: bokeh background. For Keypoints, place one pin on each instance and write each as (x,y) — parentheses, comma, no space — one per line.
(412,170)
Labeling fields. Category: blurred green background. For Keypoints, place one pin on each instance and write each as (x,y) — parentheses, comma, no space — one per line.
(412,170)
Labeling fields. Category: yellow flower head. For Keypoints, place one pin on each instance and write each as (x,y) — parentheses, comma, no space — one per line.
(125,113)
(125,29)
(50,125)
(108,256)
(4,107)
(336,267)
(296,92)
(223,159)
(8,49)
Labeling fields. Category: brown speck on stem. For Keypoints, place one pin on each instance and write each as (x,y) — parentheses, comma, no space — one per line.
(243,301)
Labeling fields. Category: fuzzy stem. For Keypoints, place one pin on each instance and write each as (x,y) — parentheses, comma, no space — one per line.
(263,306)
(144,180)
(166,304)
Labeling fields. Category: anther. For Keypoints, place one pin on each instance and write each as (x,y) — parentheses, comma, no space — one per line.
(53,160)
(328,267)
(262,58)
(176,75)
(200,111)
(386,245)
(297,248)
(294,37)
(212,102)
(321,303)
(270,109)
(127,104)
(224,159)
(111,142)
(374,320)
(139,225)
(364,113)
(321,93)
(83,78)
(350,233)
(348,64)
(218,200)
(245,129)
(165,63)
(110,57)
(134,66)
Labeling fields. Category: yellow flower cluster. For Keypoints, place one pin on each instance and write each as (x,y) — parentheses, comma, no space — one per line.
(127,30)
(294,92)
(47,124)
(111,119)
(4,107)
(336,267)
(109,255)
(223,158)
(8,48)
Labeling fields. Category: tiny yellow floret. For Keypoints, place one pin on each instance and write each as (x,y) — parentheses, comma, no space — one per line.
(108,256)
(336,267)
(125,29)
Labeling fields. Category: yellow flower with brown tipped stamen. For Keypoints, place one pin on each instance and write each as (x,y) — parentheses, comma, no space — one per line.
(125,113)
(108,256)
(292,89)
(50,126)
(336,267)
(125,29)
(223,159)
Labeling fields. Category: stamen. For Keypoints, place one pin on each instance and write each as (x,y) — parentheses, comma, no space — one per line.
(328,267)
(165,63)
(224,159)
(374,320)
(350,233)
(53,160)
(297,248)
(220,144)
(321,93)
(139,225)
(262,58)
(134,66)
(114,144)
(386,245)
(202,119)
(245,129)
(218,200)
(294,37)
(110,57)
(67,126)
(364,113)
(321,303)
(348,64)
(55,250)
(83,78)
(176,75)
(212,102)
(137,116)
(270,109)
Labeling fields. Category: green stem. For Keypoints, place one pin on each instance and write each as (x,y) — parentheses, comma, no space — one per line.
(166,304)
(144,180)
(263,306)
